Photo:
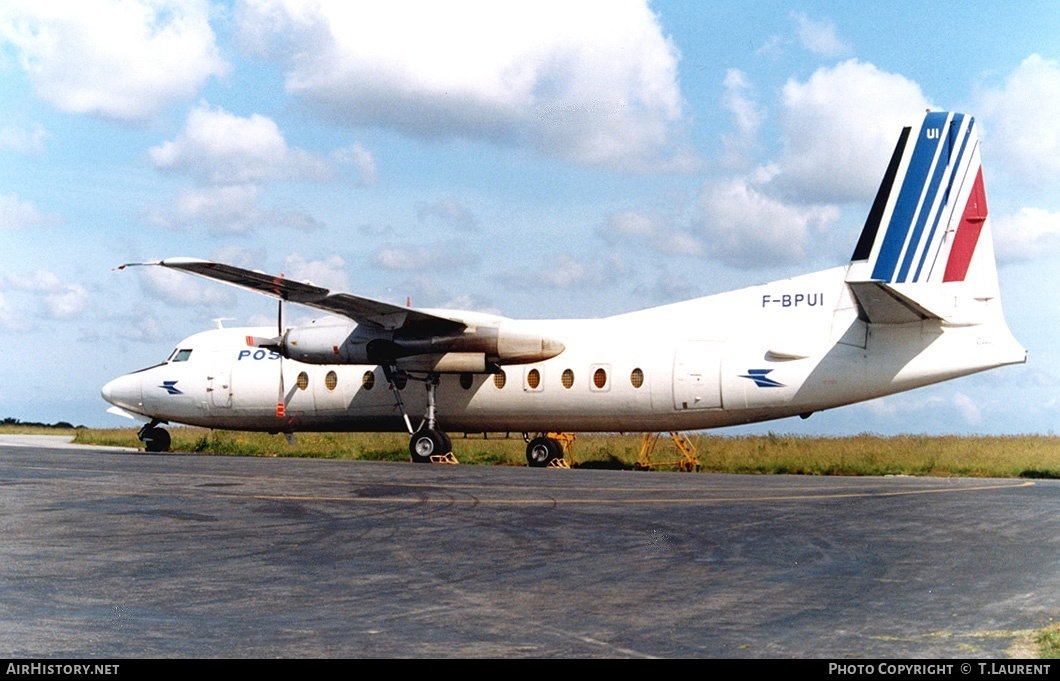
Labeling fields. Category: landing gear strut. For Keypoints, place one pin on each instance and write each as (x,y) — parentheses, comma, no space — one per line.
(428,443)
(155,439)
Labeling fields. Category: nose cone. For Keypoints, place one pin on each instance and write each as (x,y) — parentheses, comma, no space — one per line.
(123,392)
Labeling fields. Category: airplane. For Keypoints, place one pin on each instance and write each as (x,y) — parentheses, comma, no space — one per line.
(918,303)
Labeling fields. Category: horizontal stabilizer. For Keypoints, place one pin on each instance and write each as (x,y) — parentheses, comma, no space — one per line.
(883,304)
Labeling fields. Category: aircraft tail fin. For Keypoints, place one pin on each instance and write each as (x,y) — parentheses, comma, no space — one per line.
(926,251)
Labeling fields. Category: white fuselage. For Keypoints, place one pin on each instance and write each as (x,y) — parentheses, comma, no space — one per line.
(786,348)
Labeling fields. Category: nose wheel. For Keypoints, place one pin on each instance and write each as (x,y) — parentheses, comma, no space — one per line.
(155,439)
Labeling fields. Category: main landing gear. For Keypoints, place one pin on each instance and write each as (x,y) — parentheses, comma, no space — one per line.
(546,451)
(428,444)
(155,439)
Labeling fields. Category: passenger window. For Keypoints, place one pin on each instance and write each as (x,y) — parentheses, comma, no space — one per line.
(637,378)
(331,380)
(567,378)
(368,380)
(499,379)
(600,378)
(303,381)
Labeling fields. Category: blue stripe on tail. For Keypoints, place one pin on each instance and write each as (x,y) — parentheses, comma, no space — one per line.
(911,196)
(933,248)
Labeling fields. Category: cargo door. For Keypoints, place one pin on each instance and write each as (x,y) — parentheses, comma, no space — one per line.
(697,375)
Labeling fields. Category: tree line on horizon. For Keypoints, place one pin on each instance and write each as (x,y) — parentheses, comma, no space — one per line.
(8,421)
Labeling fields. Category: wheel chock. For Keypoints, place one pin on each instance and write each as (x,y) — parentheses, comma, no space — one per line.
(443,458)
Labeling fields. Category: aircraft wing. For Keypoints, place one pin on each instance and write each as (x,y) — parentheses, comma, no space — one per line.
(361,310)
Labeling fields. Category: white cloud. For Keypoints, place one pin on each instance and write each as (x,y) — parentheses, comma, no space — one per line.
(747,117)
(10,318)
(1030,233)
(127,60)
(745,227)
(70,301)
(1022,121)
(840,128)
(24,140)
(819,37)
(329,272)
(217,147)
(449,213)
(968,409)
(18,214)
(562,272)
(58,299)
(595,82)
(646,230)
(629,224)
(227,209)
(177,288)
(424,256)
(230,158)
(39,281)
(362,160)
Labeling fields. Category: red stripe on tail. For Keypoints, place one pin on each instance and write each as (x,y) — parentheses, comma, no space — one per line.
(967,232)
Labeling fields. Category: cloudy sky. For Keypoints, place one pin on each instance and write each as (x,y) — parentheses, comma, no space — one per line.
(532,159)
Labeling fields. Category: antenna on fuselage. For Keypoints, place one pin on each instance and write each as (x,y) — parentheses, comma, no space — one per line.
(218,321)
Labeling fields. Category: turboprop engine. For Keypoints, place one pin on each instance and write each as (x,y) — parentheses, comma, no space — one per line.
(471,349)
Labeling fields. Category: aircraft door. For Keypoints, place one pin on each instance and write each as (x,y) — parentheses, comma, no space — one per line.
(697,375)
(219,386)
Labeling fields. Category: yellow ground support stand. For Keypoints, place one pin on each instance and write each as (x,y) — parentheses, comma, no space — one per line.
(688,462)
(567,441)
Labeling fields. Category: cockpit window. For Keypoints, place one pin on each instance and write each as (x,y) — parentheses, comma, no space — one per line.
(180,355)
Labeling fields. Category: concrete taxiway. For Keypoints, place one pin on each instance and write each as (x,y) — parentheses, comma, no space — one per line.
(112,553)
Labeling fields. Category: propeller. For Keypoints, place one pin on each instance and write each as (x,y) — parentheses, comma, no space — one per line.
(281,408)
(275,345)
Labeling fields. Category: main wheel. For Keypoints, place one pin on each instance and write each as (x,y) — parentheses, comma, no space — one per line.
(428,442)
(156,440)
(542,451)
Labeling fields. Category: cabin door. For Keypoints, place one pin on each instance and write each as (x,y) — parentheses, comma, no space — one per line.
(219,386)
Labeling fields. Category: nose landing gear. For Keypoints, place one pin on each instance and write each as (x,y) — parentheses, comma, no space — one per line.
(155,439)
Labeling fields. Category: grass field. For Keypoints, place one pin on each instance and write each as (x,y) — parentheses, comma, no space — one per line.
(1023,456)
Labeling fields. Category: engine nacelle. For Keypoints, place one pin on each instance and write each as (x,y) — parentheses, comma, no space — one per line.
(326,343)
(336,342)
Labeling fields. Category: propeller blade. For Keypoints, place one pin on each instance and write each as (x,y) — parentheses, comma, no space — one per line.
(266,343)
(281,407)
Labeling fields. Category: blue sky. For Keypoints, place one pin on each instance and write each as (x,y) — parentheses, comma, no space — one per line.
(538,159)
